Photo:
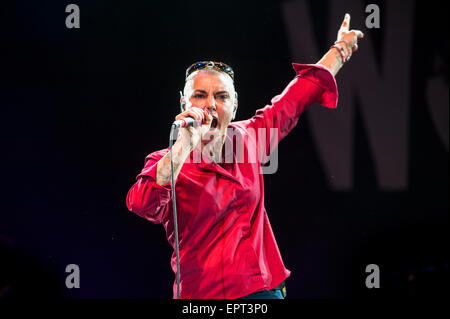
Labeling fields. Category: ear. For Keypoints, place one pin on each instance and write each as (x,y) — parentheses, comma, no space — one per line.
(182,102)
(235,105)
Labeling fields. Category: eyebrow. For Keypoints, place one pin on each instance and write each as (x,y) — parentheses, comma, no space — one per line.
(221,92)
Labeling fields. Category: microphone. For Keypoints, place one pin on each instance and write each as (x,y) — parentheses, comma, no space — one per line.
(186,122)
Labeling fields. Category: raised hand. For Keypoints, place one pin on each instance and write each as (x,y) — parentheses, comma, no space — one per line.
(349,38)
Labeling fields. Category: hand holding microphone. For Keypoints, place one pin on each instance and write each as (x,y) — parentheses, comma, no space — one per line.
(193,123)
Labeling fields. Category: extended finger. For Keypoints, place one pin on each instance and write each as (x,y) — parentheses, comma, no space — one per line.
(346,23)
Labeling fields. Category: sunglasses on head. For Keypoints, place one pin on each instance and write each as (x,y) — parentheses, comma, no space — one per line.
(219,66)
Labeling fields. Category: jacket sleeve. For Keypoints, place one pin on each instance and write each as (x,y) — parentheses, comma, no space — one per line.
(148,199)
(312,83)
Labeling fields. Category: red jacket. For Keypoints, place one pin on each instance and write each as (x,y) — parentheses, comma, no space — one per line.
(227,247)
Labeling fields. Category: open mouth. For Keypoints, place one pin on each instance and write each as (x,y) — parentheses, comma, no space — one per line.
(214,123)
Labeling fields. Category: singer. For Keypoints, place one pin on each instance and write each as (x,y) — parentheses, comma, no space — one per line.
(227,248)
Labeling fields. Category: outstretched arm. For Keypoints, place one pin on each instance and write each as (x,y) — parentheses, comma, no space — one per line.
(348,41)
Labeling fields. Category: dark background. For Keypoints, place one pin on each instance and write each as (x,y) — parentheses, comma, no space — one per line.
(81,108)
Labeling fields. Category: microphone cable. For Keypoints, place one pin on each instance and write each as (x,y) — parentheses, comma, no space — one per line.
(174,201)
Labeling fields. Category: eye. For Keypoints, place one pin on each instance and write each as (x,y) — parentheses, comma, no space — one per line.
(198,96)
(222,97)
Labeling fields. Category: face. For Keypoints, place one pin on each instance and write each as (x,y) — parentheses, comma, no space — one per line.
(213,91)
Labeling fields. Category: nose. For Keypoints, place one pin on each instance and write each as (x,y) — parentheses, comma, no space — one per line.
(210,103)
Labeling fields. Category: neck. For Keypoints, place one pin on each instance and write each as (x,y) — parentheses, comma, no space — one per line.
(214,149)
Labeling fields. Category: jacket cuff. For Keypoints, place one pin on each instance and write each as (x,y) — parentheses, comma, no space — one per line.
(164,191)
(323,78)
